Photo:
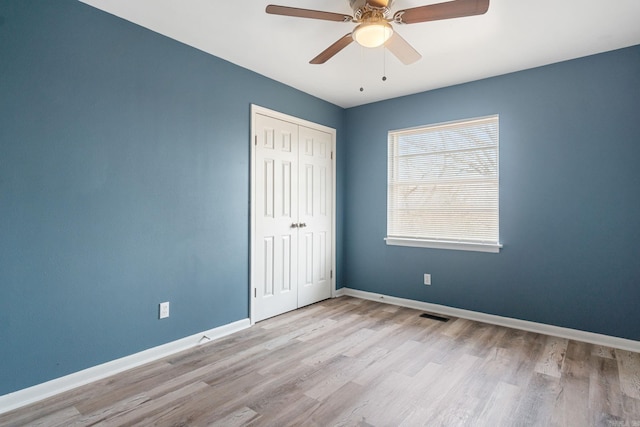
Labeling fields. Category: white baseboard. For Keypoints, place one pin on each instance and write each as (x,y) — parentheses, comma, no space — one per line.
(541,328)
(38,392)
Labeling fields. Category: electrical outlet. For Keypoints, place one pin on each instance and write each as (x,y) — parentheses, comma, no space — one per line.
(164,310)
(427,279)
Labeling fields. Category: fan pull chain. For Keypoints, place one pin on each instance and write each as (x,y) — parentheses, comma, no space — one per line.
(384,64)
(361,68)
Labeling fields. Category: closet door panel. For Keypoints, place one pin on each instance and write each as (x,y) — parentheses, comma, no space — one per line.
(315,215)
(275,260)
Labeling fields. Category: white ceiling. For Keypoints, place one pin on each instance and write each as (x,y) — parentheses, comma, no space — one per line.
(513,35)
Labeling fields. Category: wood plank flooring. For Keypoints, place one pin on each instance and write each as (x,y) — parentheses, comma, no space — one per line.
(351,362)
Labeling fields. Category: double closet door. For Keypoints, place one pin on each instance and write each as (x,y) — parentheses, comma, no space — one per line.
(293,212)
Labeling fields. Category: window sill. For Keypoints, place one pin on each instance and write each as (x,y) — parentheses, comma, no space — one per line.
(442,244)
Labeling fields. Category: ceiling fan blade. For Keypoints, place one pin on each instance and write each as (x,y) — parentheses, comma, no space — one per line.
(438,11)
(307,13)
(402,49)
(329,52)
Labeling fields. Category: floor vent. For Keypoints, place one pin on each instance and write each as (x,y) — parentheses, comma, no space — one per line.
(434,317)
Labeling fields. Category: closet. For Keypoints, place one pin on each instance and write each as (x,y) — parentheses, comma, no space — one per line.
(292,213)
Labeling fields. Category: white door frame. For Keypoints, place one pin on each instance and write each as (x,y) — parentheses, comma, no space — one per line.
(256,109)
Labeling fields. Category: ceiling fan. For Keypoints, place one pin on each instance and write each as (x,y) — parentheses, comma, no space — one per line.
(374,27)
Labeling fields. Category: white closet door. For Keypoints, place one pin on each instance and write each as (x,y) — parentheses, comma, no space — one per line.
(292,239)
(315,216)
(276,210)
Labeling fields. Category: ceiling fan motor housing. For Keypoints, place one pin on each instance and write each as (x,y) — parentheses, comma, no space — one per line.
(360,6)
(357,4)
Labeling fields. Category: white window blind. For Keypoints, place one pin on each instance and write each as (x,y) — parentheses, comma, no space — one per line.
(443,186)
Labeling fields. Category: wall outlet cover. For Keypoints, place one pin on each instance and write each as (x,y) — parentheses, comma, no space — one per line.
(164,310)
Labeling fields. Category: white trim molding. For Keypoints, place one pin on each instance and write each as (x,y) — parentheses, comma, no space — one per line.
(443,244)
(42,391)
(525,325)
(339,293)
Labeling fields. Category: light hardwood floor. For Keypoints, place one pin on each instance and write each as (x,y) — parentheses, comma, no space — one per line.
(351,362)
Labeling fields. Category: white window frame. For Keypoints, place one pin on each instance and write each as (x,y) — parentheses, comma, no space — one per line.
(402,236)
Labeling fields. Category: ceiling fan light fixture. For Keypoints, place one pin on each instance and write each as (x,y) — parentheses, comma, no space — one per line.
(373,34)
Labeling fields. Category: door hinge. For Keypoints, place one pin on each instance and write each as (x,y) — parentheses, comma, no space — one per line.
(331,274)
(255,140)
(332,155)
(255,292)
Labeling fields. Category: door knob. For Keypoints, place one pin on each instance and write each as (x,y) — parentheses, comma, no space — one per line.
(294,225)
(302,225)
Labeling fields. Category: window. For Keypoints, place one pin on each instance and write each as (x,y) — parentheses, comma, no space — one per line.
(443,186)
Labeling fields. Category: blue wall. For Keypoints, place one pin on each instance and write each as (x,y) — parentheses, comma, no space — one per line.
(569,198)
(124,182)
